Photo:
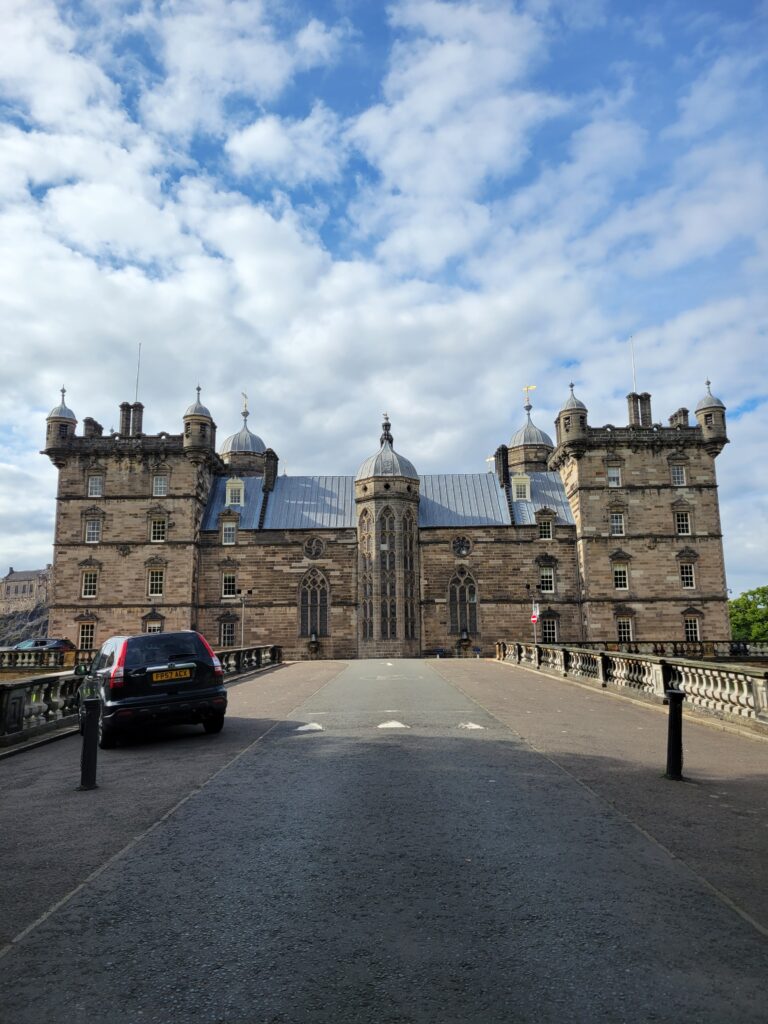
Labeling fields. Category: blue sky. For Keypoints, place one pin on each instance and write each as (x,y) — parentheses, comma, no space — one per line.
(345,207)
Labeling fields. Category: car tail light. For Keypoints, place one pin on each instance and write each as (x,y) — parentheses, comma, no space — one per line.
(116,677)
(217,669)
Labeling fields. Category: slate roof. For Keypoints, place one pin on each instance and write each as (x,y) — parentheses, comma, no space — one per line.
(328,502)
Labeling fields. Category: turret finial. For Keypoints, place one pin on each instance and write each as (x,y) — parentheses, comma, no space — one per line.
(245,406)
(386,436)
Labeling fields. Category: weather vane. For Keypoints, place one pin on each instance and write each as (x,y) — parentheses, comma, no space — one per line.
(528,388)
(245,403)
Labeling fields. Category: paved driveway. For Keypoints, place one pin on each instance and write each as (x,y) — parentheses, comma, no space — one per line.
(403,841)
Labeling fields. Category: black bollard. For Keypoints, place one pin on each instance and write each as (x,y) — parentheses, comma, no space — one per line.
(90,749)
(675,700)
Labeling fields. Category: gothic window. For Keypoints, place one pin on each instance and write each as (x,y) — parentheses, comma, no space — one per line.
(366,575)
(313,604)
(388,577)
(409,574)
(462,601)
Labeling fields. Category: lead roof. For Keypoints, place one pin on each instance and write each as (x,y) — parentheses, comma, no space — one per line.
(328,502)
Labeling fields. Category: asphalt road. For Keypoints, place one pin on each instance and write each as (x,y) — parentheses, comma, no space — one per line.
(446,868)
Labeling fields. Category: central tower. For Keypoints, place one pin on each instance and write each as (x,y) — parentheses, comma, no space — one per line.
(387,509)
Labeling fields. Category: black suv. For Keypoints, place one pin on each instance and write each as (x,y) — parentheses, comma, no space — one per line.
(158,678)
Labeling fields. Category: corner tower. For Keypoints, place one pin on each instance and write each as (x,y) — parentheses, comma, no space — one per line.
(387,509)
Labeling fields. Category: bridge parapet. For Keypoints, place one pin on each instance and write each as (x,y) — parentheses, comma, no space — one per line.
(31,706)
(727,691)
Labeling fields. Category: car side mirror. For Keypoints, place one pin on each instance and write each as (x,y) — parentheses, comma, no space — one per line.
(81,670)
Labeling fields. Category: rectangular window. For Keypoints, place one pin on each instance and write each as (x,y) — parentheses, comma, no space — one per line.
(549,631)
(155,582)
(159,485)
(547,578)
(158,530)
(709,419)
(692,630)
(154,627)
(614,476)
(621,577)
(92,531)
(545,529)
(89,581)
(228,533)
(687,577)
(227,634)
(617,524)
(683,523)
(229,584)
(521,491)
(624,630)
(678,476)
(95,486)
(86,637)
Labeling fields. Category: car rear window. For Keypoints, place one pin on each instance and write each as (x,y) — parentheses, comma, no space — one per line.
(159,648)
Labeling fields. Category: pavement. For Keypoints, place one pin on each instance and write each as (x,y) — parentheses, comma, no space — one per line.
(406,842)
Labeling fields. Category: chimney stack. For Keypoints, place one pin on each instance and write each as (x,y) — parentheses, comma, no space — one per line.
(125,419)
(137,416)
(645,410)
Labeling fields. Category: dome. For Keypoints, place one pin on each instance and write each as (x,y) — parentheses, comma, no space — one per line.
(529,433)
(709,401)
(572,402)
(61,411)
(197,409)
(386,462)
(243,441)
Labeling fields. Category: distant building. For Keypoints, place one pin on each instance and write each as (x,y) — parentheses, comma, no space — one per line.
(21,591)
(613,532)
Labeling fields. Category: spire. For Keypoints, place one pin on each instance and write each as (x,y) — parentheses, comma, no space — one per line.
(386,437)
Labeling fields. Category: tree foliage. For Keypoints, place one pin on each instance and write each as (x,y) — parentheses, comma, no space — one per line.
(749,615)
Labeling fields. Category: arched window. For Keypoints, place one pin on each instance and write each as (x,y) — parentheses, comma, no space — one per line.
(313,604)
(462,601)
(366,575)
(409,575)
(388,589)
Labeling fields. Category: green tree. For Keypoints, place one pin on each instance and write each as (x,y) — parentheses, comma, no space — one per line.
(749,615)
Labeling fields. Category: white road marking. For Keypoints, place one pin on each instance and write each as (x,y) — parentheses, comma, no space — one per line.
(310,727)
(390,664)
(393,725)
(470,725)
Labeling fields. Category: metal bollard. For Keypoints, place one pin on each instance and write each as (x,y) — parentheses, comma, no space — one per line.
(675,700)
(90,749)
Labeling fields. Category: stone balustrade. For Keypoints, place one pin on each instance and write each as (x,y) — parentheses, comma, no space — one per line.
(730,692)
(693,649)
(33,705)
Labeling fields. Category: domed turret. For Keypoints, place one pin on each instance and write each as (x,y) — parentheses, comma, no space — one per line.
(199,428)
(710,414)
(244,449)
(60,424)
(571,422)
(529,447)
(386,462)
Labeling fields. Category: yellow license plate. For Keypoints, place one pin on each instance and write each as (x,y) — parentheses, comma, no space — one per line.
(172,673)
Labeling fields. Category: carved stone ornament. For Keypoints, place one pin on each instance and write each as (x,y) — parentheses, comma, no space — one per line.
(124,549)
(461,546)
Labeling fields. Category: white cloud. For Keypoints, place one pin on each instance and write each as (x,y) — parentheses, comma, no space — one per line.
(294,151)
(718,95)
(215,50)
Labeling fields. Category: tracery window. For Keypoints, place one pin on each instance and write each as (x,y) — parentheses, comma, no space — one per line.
(366,575)
(313,604)
(388,585)
(409,575)
(462,602)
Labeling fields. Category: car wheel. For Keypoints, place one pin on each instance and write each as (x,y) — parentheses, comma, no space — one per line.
(214,724)
(107,740)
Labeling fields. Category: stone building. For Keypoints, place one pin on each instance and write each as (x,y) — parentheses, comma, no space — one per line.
(23,590)
(612,532)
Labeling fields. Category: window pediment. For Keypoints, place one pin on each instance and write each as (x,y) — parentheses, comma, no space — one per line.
(90,563)
(692,611)
(93,512)
(544,513)
(619,556)
(156,561)
(677,458)
(87,617)
(687,555)
(681,505)
(153,614)
(547,560)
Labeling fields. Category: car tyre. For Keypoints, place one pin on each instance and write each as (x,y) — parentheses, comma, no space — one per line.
(213,724)
(107,739)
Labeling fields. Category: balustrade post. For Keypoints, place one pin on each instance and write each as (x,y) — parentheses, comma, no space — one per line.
(674,770)
(602,669)
(760,693)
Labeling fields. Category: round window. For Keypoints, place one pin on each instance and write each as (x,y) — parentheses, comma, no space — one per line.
(461,546)
(313,548)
